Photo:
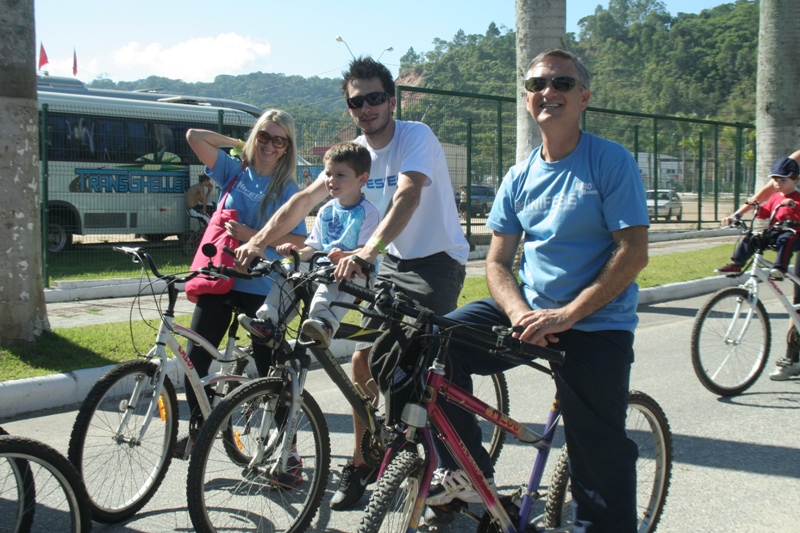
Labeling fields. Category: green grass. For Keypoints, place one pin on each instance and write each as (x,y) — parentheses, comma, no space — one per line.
(67,349)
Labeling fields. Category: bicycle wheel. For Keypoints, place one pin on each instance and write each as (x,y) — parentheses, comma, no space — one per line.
(728,353)
(122,472)
(648,427)
(17,494)
(392,502)
(494,391)
(225,494)
(44,494)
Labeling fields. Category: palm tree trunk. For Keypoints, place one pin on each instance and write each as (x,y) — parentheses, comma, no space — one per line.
(23,314)
(777,104)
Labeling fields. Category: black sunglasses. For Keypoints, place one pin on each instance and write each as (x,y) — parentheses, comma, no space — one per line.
(277,141)
(561,84)
(373,99)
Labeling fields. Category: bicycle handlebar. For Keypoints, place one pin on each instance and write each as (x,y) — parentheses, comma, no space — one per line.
(506,346)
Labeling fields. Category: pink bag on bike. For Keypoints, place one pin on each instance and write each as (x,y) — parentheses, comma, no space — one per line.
(217,235)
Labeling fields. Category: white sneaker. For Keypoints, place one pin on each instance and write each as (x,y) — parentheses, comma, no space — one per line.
(448,485)
(776,274)
(782,373)
(318,330)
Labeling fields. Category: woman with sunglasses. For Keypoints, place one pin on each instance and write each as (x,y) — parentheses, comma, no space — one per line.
(262,181)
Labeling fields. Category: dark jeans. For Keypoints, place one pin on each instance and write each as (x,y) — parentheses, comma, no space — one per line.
(434,282)
(593,388)
(785,241)
(211,318)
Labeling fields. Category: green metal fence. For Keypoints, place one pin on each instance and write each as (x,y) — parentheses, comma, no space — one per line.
(709,164)
(118,176)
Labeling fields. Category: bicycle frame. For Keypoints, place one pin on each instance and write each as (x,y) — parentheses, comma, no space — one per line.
(759,274)
(437,384)
(166,337)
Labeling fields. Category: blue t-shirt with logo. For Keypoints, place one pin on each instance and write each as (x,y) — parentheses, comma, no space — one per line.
(568,210)
(245,196)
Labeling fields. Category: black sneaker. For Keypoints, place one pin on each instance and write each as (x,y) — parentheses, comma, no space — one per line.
(352,485)
(259,329)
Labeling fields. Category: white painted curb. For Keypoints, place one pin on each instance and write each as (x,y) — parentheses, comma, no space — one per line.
(22,396)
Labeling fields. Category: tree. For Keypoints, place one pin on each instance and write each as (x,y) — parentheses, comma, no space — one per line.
(23,314)
(777,105)
(541,24)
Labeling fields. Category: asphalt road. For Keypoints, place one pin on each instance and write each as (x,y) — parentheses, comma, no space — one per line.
(735,467)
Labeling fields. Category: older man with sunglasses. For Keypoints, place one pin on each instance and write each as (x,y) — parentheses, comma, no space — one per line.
(420,233)
(578,202)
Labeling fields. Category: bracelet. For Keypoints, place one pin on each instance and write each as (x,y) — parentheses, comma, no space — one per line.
(237,150)
(737,216)
(379,245)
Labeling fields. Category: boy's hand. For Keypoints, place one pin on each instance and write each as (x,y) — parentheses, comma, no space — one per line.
(789,203)
(336,255)
(286,249)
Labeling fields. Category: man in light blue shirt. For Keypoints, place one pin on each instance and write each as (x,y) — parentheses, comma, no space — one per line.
(578,203)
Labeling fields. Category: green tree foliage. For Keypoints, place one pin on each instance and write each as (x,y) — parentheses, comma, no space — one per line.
(642,59)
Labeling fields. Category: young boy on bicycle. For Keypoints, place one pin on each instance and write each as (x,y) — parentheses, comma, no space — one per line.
(342,227)
(782,206)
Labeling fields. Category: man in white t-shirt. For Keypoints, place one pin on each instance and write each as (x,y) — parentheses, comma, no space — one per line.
(420,233)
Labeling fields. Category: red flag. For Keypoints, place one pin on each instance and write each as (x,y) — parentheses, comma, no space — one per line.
(42,56)
(74,62)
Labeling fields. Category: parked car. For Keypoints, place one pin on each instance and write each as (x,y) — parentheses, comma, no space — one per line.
(669,204)
(482,200)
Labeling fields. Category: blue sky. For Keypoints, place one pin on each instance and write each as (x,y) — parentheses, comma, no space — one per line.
(200,39)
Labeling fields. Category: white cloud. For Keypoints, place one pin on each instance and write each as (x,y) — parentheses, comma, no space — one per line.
(198,59)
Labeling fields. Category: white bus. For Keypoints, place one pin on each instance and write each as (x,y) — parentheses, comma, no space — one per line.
(114,166)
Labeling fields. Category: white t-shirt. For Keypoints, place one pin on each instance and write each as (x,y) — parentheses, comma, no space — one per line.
(434,227)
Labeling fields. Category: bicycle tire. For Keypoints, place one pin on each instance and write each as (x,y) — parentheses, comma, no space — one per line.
(727,367)
(121,475)
(220,491)
(392,502)
(493,390)
(648,427)
(25,487)
(58,491)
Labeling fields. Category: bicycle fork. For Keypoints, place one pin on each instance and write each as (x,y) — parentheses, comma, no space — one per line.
(129,406)
(269,439)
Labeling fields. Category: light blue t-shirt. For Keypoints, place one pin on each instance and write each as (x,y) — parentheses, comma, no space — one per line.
(341,227)
(245,197)
(568,210)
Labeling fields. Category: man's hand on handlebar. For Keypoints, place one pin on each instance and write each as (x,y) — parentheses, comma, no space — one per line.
(353,266)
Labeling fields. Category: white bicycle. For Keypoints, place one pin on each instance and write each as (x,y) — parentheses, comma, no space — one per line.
(123,437)
(731,334)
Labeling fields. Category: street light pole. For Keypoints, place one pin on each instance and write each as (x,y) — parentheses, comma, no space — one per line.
(340,40)
(390,49)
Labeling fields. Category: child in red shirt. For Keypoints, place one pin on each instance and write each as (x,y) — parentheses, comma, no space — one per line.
(783,205)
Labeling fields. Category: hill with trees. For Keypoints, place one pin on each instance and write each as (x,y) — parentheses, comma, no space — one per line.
(642,59)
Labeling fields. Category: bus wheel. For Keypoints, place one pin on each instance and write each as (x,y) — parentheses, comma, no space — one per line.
(58,238)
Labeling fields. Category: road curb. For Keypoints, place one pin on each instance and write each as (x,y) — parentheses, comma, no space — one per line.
(20,397)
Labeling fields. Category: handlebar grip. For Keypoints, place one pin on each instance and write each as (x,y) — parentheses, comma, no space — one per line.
(233,273)
(541,352)
(357,290)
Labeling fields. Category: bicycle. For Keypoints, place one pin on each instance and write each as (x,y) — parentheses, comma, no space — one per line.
(731,335)
(407,470)
(269,437)
(191,238)
(39,489)
(126,428)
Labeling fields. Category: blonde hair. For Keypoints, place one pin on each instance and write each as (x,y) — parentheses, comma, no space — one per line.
(286,168)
